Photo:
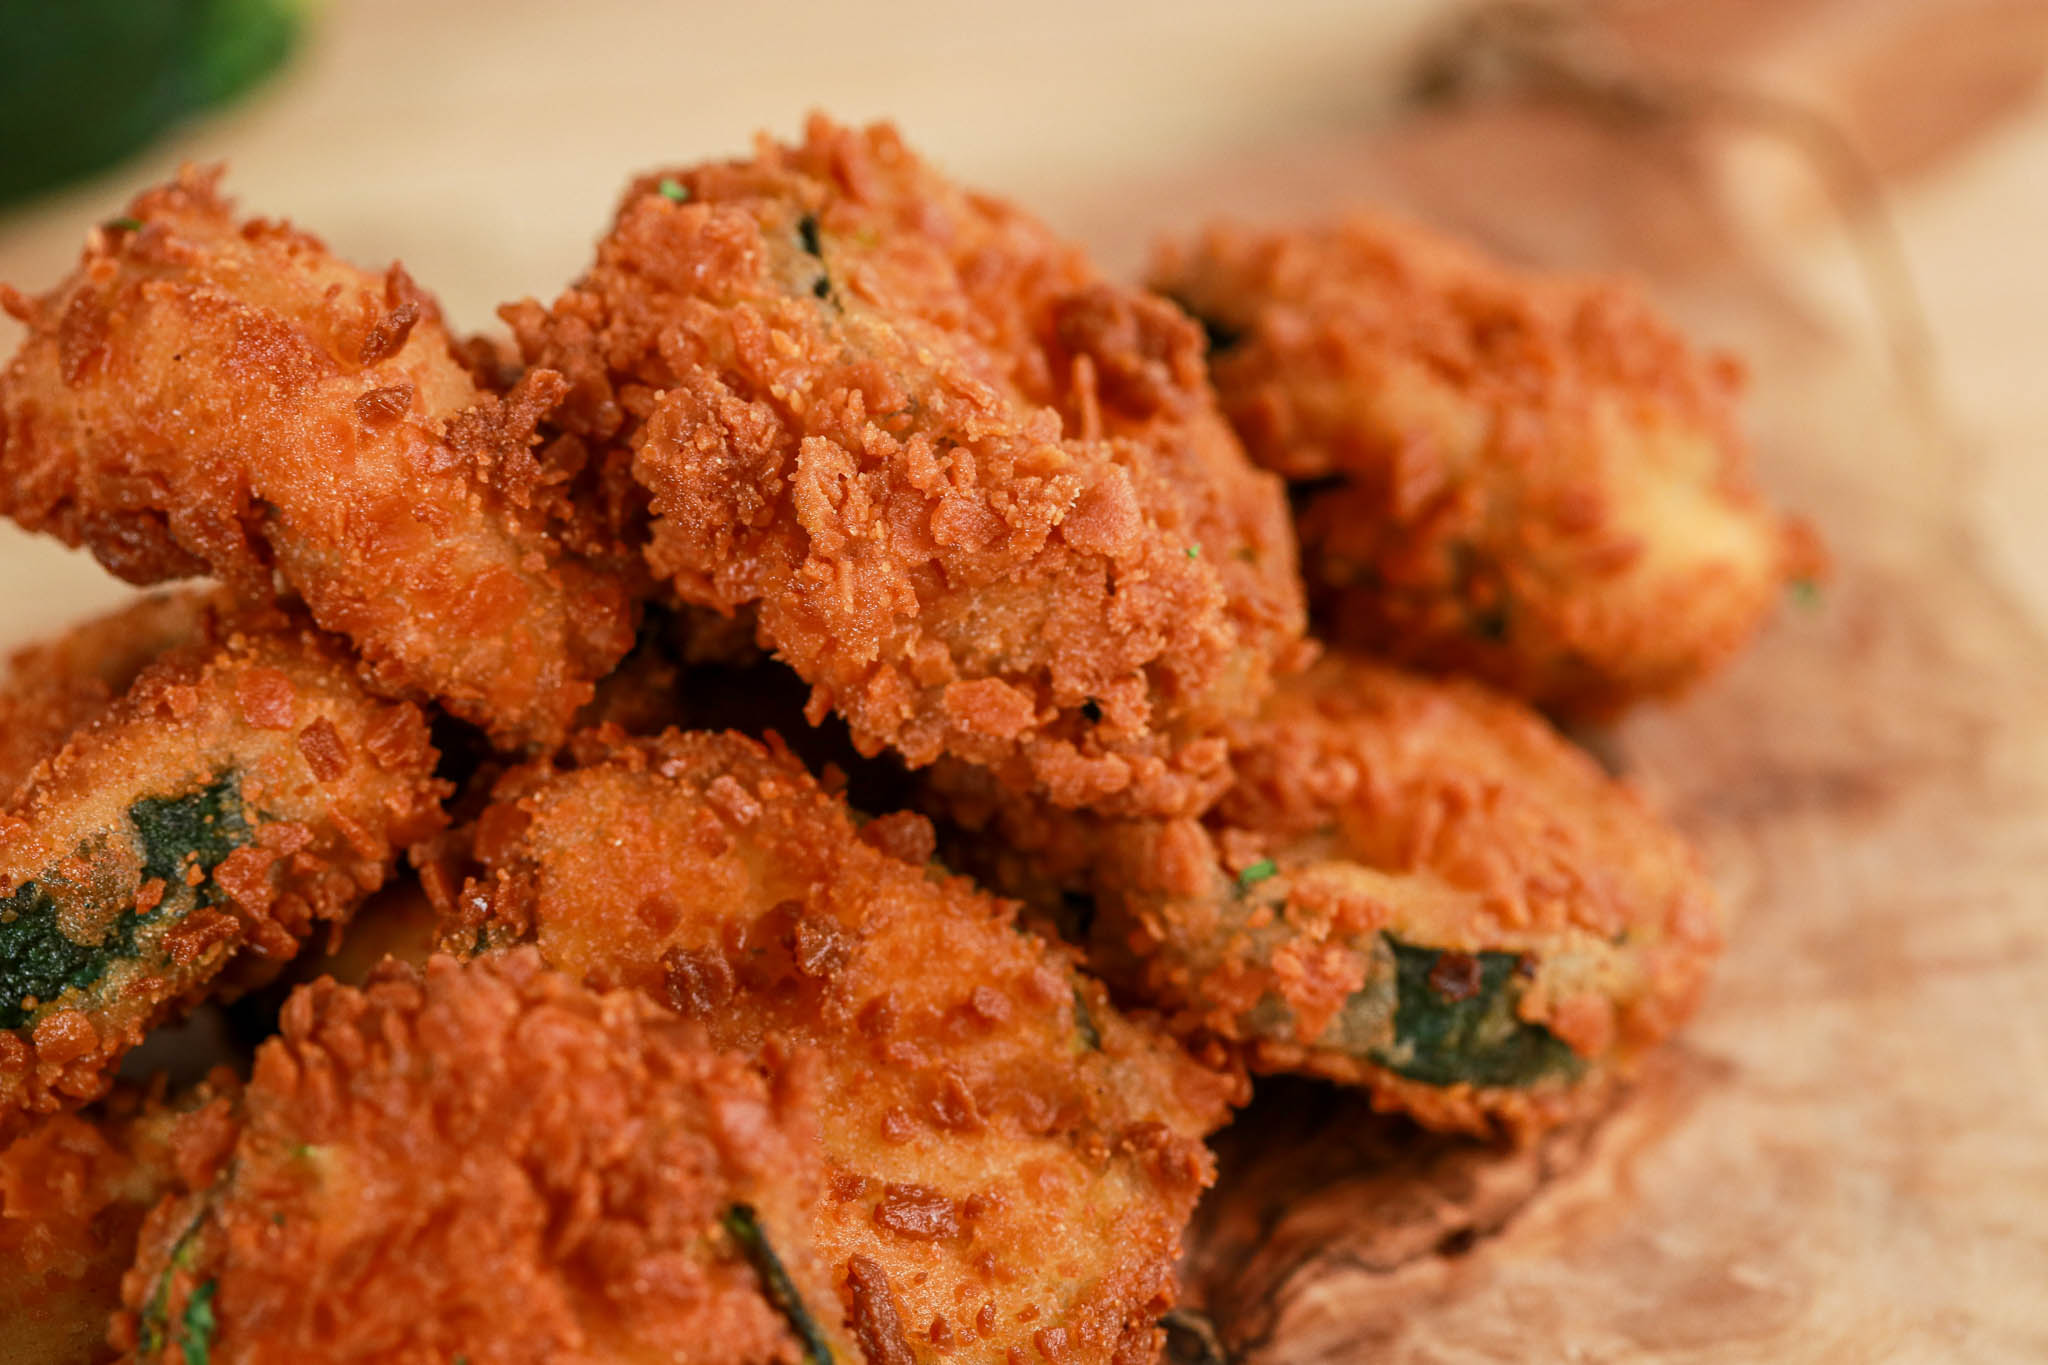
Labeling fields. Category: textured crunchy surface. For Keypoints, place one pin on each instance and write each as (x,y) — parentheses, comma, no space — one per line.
(982,500)
(206,394)
(1412,885)
(1526,477)
(484,1162)
(54,687)
(74,1189)
(1872,781)
(1010,1162)
(242,789)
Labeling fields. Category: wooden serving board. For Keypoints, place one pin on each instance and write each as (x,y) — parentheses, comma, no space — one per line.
(1846,1157)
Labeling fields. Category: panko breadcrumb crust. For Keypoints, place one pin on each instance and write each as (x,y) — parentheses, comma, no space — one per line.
(1529,478)
(667,1052)
(74,1189)
(1010,1162)
(189,836)
(218,395)
(485,1162)
(1376,814)
(981,499)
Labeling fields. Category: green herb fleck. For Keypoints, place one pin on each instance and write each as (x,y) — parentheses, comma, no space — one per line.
(1454,1021)
(123,224)
(1084,1024)
(1256,873)
(673,190)
(1194,552)
(196,1338)
(1805,593)
(156,1313)
(743,1225)
(807,233)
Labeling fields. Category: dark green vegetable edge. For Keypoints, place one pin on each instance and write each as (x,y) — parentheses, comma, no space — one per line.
(1454,1020)
(1089,1036)
(39,962)
(156,1313)
(195,1336)
(813,244)
(743,1225)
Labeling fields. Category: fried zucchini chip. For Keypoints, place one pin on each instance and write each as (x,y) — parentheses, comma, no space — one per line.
(1529,478)
(211,395)
(982,500)
(74,1189)
(490,1163)
(53,688)
(242,790)
(1009,1161)
(1415,886)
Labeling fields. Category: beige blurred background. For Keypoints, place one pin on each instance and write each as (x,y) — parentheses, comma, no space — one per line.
(483,143)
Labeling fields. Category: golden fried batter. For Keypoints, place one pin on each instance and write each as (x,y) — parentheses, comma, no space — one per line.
(1525,477)
(204,394)
(981,500)
(55,687)
(1413,885)
(73,1192)
(1010,1162)
(242,789)
(489,1163)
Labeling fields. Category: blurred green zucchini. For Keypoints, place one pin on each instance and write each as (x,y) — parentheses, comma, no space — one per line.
(84,83)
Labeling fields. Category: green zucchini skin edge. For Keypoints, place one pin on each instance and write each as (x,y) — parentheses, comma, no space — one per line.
(743,1225)
(1459,1025)
(39,962)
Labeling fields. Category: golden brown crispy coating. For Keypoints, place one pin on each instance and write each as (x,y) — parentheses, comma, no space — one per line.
(490,1163)
(1414,885)
(55,687)
(981,500)
(204,394)
(242,789)
(1010,1162)
(74,1189)
(1530,478)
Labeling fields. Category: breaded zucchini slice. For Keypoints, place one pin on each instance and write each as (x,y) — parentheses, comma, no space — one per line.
(208,393)
(491,1163)
(52,688)
(1010,1160)
(74,1189)
(1526,477)
(242,790)
(978,496)
(1412,885)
